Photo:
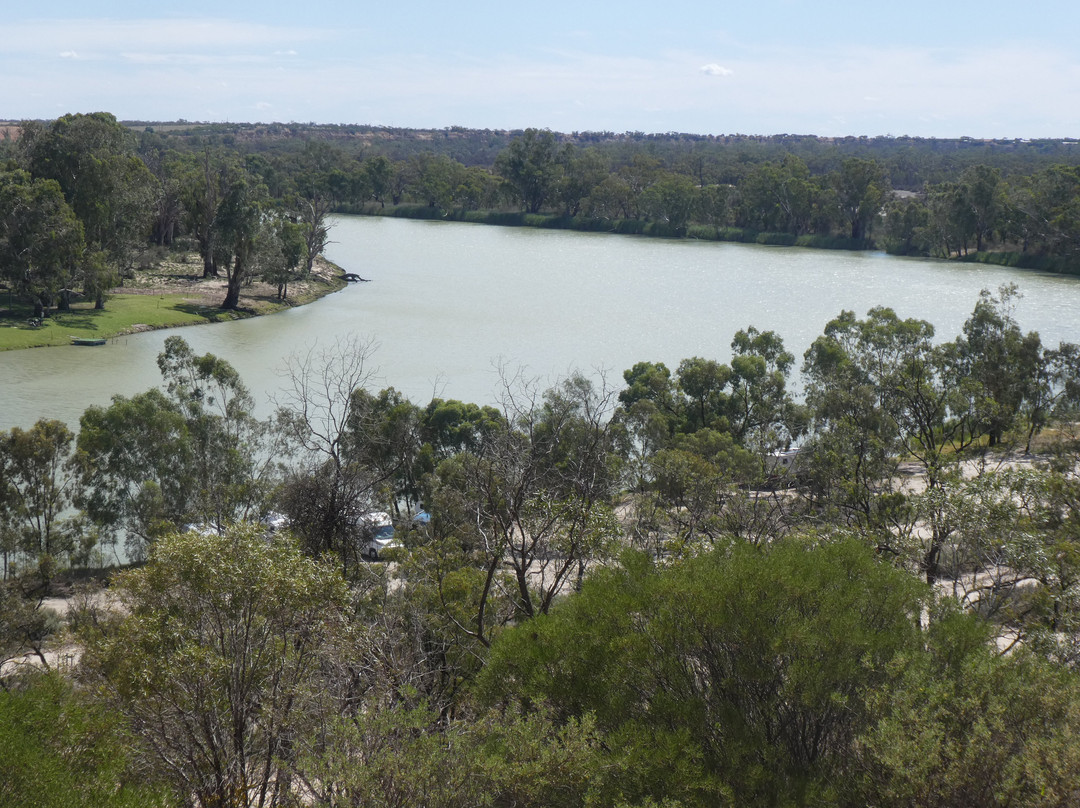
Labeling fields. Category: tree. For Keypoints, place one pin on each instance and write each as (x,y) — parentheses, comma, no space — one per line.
(40,485)
(530,165)
(312,213)
(217,663)
(852,452)
(536,499)
(159,460)
(201,179)
(282,253)
(230,468)
(906,222)
(581,171)
(672,200)
(777,197)
(1005,362)
(41,238)
(733,676)
(861,186)
(434,179)
(135,460)
(985,196)
(109,188)
(951,219)
(322,415)
(379,171)
(907,396)
(702,381)
(241,227)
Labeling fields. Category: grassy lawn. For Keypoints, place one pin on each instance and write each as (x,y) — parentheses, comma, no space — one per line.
(123,314)
(170,294)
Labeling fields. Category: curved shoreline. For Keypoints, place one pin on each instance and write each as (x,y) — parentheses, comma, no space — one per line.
(181,301)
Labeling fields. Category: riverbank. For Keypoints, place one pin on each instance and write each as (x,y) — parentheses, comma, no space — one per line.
(171,293)
(1056,265)
(622,227)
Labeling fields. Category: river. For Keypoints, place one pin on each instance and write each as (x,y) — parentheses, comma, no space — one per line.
(449,303)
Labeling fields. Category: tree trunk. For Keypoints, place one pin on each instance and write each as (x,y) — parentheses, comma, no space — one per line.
(232,294)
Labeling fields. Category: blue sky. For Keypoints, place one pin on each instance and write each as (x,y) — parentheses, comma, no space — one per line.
(932,69)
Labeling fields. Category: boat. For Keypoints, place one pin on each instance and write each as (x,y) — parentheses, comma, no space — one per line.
(88,340)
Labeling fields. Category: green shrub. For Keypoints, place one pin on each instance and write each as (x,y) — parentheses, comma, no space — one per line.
(776,239)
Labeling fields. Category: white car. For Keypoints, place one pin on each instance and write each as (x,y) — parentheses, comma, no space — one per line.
(376,534)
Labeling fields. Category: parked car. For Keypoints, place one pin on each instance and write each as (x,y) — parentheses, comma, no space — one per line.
(376,535)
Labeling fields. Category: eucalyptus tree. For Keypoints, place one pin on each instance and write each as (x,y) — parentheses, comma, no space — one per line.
(906,222)
(222,660)
(861,186)
(762,412)
(1005,362)
(530,165)
(242,228)
(312,211)
(671,199)
(985,195)
(37,486)
(379,175)
(536,500)
(346,447)
(777,197)
(135,460)
(41,239)
(581,170)
(281,255)
(191,453)
(880,388)
(199,180)
(93,158)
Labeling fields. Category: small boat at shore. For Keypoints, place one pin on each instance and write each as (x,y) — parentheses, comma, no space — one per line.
(88,340)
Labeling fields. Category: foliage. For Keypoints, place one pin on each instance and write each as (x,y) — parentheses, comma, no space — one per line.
(218,661)
(731,673)
(61,749)
(160,460)
(964,726)
(37,486)
(404,758)
(41,239)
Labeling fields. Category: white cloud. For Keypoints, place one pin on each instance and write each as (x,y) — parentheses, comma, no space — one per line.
(69,54)
(714,69)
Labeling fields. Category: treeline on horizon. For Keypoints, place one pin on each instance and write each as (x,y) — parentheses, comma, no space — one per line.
(621,597)
(1009,197)
(252,200)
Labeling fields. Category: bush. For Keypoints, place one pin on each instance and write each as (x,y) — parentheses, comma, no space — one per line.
(776,239)
(735,672)
(57,750)
(1042,263)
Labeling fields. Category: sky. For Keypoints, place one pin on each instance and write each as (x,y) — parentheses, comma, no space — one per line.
(990,69)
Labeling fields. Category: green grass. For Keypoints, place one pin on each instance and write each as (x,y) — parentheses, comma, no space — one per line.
(120,316)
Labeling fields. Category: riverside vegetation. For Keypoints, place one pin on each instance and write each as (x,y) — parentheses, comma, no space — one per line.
(620,598)
(89,206)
